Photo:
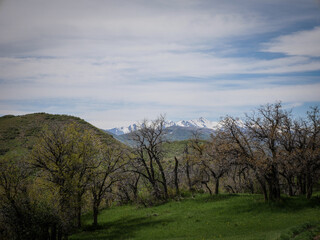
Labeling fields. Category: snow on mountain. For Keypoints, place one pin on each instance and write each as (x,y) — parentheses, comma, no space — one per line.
(123,130)
(169,124)
(196,123)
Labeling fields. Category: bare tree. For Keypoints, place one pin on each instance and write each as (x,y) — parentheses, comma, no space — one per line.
(128,187)
(248,155)
(264,126)
(148,155)
(289,160)
(109,170)
(311,154)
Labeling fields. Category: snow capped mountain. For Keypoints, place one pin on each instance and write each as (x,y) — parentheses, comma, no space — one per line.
(123,130)
(196,123)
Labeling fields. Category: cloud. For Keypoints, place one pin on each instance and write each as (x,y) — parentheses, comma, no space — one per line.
(114,106)
(166,93)
(301,43)
(110,61)
(138,69)
(37,25)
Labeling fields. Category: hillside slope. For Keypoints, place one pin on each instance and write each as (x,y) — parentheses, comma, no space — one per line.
(227,216)
(18,134)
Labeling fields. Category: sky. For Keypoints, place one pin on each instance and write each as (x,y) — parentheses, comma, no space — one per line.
(113,63)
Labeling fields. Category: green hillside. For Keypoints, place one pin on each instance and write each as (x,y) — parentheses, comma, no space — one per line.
(229,217)
(19,133)
(174,149)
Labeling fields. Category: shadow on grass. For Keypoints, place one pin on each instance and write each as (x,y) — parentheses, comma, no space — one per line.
(256,203)
(215,198)
(285,204)
(123,228)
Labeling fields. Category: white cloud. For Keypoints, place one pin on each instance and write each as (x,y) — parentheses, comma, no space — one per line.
(40,25)
(123,53)
(64,72)
(122,104)
(194,102)
(302,43)
(165,93)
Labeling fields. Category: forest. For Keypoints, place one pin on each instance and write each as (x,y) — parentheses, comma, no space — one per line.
(70,170)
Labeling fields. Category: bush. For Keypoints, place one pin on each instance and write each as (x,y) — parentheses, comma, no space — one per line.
(10,133)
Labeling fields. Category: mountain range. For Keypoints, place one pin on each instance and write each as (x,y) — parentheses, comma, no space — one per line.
(196,123)
(175,131)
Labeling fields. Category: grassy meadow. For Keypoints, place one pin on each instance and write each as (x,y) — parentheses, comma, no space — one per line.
(209,217)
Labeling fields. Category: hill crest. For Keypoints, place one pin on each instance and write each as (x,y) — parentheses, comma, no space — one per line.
(18,134)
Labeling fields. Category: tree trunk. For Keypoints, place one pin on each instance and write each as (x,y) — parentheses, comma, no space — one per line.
(276,183)
(205,183)
(135,189)
(45,233)
(164,180)
(290,187)
(176,182)
(79,216)
(95,215)
(270,191)
(53,232)
(302,184)
(216,190)
(251,187)
(231,188)
(264,189)
(155,189)
(273,187)
(309,192)
(164,183)
(309,186)
(60,233)
(79,210)
(188,176)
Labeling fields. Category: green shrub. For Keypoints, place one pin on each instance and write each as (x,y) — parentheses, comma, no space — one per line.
(10,133)
(3,151)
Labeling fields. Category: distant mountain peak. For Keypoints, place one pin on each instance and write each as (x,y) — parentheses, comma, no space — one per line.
(195,123)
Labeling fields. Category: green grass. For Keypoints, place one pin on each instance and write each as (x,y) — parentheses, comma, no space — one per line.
(303,232)
(204,217)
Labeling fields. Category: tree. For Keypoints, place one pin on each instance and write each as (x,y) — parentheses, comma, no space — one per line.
(24,215)
(148,155)
(215,157)
(289,164)
(189,167)
(311,153)
(264,127)
(65,157)
(111,161)
(128,186)
(257,143)
(219,156)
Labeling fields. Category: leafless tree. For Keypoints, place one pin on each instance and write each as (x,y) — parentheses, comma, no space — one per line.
(148,155)
(109,171)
